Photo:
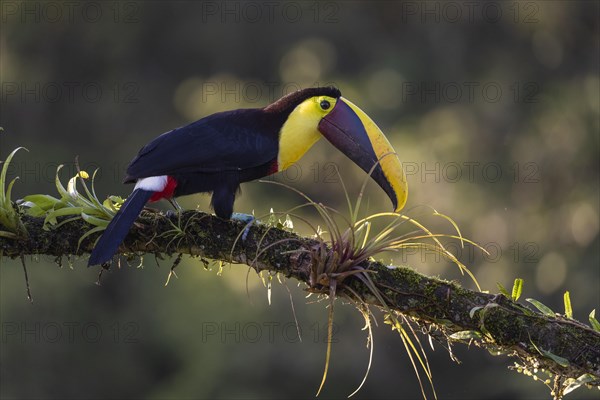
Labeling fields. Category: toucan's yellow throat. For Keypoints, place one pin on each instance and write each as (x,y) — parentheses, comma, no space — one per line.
(351,131)
(300,131)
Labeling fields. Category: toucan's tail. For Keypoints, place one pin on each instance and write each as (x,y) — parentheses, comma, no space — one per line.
(118,228)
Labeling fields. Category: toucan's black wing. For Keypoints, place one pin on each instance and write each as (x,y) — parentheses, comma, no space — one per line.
(232,140)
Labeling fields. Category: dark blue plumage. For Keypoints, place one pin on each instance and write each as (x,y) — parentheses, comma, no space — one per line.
(117,230)
(228,141)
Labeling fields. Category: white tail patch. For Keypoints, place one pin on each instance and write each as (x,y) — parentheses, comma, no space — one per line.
(152,183)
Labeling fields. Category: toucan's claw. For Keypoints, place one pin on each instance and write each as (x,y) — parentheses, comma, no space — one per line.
(170,214)
(178,209)
(248,219)
(175,204)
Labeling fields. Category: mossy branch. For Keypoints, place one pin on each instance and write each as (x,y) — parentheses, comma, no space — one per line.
(560,345)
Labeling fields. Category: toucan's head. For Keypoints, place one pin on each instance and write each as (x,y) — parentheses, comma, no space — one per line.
(316,112)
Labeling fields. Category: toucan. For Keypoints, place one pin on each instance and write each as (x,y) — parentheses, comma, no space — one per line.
(219,152)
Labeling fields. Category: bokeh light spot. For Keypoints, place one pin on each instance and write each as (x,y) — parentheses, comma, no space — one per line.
(584,224)
(550,273)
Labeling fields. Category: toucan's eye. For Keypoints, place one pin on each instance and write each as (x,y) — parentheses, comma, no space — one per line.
(325,104)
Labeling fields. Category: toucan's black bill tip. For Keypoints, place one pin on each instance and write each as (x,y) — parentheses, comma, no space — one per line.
(350,130)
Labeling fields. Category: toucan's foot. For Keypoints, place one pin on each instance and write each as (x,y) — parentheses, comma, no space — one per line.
(177,208)
(248,219)
(171,214)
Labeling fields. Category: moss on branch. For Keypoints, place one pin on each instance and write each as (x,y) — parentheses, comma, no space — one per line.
(562,346)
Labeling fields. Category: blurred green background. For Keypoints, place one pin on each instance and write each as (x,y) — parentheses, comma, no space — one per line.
(493,108)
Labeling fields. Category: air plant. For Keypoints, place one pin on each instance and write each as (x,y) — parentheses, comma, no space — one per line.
(9,216)
(341,253)
(73,205)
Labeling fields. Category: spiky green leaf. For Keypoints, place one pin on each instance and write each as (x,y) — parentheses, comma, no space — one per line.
(517,289)
(88,233)
(568,307)
(466,335)
(61,223)
(9,217)
(8,194)
(8,235)
(3,172)
(593,321)
(34,210)
(563,362)
(503,290)
(94,220)
(541,307)
(51,217)
(64,195)
(474,310)
(43,201)
(576,383)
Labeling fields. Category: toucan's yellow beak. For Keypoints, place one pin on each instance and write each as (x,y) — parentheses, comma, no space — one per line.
(350,130)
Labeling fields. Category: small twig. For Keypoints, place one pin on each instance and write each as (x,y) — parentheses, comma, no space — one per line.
(172,271)
(103,267)
(26,279)
(557,389)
